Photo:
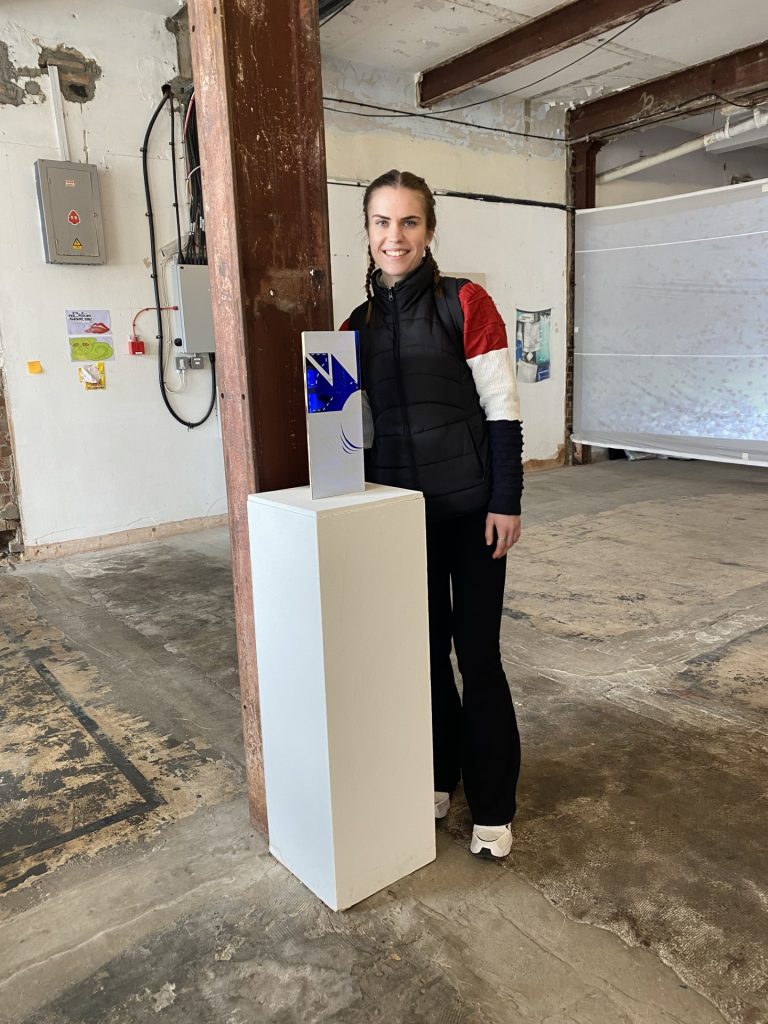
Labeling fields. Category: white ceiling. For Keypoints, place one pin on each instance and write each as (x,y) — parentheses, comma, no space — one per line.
(413,35)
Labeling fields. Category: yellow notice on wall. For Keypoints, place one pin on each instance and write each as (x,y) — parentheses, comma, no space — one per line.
(92,376)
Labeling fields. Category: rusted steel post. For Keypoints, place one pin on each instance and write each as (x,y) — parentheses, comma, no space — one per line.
(259,107)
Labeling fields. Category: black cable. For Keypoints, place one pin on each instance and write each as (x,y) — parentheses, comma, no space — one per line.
(155,279)
(479,197)
(671,112)
(196,251)
(175,185)
(735,103)
(431,117)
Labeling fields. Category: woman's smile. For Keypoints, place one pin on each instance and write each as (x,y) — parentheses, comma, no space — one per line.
(397,232)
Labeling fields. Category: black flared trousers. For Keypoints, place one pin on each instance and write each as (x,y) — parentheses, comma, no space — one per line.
(475,738)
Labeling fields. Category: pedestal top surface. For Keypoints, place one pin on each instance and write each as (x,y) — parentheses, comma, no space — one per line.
(299,499)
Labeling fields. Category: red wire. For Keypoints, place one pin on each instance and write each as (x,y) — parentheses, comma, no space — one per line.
(146,309)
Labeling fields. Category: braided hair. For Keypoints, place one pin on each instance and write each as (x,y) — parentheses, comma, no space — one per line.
(401,179)
(368,290)
(436,277)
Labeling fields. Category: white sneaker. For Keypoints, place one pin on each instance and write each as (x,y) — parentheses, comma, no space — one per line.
(491,840)
(442,804)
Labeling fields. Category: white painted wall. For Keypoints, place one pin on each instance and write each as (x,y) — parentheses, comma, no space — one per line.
(93,463)
(520,250)
(689,173)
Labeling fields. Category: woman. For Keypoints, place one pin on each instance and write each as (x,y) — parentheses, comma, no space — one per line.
(446,421)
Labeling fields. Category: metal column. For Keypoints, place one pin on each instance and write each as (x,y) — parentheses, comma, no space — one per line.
(259,106)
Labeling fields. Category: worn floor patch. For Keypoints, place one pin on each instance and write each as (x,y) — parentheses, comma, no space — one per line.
(182,603)
(77,774)
(640,566)
(736,671)
(287,961)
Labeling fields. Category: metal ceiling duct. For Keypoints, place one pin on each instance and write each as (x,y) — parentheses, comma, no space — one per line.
(751,132)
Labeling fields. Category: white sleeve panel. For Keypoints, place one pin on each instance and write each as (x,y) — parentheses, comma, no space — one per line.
(494,376)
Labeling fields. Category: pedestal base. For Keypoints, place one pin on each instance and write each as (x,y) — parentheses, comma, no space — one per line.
(340,600)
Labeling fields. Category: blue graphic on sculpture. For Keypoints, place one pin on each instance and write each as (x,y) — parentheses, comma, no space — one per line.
(329,385)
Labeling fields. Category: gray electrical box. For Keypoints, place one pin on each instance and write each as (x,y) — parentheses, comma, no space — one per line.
(195,316)
(70,212)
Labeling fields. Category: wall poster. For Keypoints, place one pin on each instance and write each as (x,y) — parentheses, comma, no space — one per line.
(89,332)
(532,345)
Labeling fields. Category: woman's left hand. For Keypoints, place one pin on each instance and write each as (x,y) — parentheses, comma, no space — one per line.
(507,530)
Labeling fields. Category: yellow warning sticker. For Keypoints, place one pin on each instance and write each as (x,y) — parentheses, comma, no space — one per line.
(77,244)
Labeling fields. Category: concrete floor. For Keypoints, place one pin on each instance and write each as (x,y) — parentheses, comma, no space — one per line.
(636,644)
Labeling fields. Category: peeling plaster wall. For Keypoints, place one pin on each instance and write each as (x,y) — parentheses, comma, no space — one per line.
(449,156)
(94,463)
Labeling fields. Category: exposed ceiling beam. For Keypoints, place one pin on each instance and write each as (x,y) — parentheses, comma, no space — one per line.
(736,76)
(540,37)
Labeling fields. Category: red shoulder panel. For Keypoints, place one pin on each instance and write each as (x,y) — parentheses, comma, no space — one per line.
(484,330)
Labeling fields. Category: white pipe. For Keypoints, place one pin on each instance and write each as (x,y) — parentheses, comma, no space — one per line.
(759,119)
(58,112)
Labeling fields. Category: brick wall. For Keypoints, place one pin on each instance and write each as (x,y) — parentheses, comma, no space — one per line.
(9,510)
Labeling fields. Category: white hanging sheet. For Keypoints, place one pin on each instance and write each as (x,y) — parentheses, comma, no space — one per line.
(671,321)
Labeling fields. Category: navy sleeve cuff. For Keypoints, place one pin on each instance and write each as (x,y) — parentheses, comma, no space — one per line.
(506,440)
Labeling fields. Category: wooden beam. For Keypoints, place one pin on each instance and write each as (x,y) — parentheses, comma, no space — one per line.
(540,37)
(259,106)
(738,76)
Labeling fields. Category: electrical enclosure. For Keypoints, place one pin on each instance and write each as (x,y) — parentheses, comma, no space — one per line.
(195,315)
(70,212)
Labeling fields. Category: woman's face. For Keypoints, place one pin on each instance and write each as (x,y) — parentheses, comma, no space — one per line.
(397,232)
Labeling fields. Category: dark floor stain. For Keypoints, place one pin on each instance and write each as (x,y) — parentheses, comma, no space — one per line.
(65,777)
(72,779)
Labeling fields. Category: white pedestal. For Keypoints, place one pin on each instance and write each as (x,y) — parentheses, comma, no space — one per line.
(340,597)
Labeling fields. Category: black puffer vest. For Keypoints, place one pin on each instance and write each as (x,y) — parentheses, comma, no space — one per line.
(429,429)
